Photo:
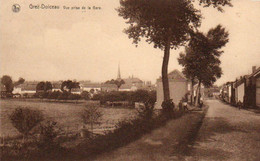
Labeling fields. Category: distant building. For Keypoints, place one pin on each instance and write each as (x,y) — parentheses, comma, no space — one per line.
(90,86)
(132,84)
(108,87)
(27,89)
(246,90)
(178,86)
(252,88)
(56,86)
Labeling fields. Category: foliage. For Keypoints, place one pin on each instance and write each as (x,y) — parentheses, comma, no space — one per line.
(63,96)
(48,133)
(201,60)
(144,96)
(74,96)
(117,82)
(167,108)
(91,115)
(8,83)
(216,3)
(85,95)
(25,119)
(20,81)
(54,95)
(69,85)
(42,88)
(165,23)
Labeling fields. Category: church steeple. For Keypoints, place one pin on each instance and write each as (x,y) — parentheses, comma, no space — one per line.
(118,72)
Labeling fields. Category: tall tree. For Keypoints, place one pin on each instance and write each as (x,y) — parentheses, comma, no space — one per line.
(69,85)
(7,81)
(43,86)
(201,60)
(20,81)
(165,23)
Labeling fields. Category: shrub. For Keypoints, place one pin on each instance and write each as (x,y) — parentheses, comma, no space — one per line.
(63,96)
(54,95)
(85,95)
(167,108)
(74,96)
(91,115)
(25,119)
(48,133)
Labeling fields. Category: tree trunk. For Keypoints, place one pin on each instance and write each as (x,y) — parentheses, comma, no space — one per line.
(165,82)
(197,94)
(192,89)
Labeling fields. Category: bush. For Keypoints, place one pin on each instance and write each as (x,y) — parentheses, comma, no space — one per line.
(91,115)
(167,108)
(54,95)
(143,96)
(85,95)
(48,133)
(25,119)
(63,96)
(74,96)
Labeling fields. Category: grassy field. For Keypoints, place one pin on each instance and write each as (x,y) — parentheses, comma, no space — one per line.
(67,115)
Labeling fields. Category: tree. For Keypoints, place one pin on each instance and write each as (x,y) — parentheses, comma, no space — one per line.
(25,119)
(69,85)
(40,86)
(7,81)
(91,115)
(20,81)
(165,23)
(42,89)
(201,61)
(117,82)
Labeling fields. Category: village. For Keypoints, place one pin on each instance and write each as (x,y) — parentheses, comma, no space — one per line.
(130,80)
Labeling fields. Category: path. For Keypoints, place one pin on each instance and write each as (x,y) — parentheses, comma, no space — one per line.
(227,133)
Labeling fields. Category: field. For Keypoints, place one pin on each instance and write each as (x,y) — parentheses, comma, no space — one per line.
(67,115)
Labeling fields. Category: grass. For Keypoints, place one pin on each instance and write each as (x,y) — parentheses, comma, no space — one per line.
(85,148)
(67,116)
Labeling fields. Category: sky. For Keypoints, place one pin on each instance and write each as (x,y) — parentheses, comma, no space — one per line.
(48,44)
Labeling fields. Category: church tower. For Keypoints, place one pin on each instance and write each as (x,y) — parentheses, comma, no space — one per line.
(118,72)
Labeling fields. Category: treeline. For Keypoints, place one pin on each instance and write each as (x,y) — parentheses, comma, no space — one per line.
(131,97)
(65,95)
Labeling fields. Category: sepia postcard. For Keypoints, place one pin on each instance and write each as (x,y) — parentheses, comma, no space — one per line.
(130,80)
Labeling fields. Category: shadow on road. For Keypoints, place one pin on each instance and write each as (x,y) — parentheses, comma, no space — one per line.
(210,127)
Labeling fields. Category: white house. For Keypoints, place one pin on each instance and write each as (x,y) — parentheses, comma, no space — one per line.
(178,85)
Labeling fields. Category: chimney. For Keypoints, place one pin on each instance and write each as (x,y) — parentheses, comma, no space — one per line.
(253,69)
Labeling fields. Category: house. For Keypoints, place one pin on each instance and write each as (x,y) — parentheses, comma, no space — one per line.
(108,87)
(90,86)
(178,86)
(246,90)
(239,87)
(76,91)
(28,89)
(3,91)
(252,88)
(56,86)
(131,84)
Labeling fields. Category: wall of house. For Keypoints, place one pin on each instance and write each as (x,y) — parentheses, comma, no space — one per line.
(178,89)
(258,92)
(229,93)
(240,92)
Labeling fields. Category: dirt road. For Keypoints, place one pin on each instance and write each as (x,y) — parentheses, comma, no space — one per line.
(227,133)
